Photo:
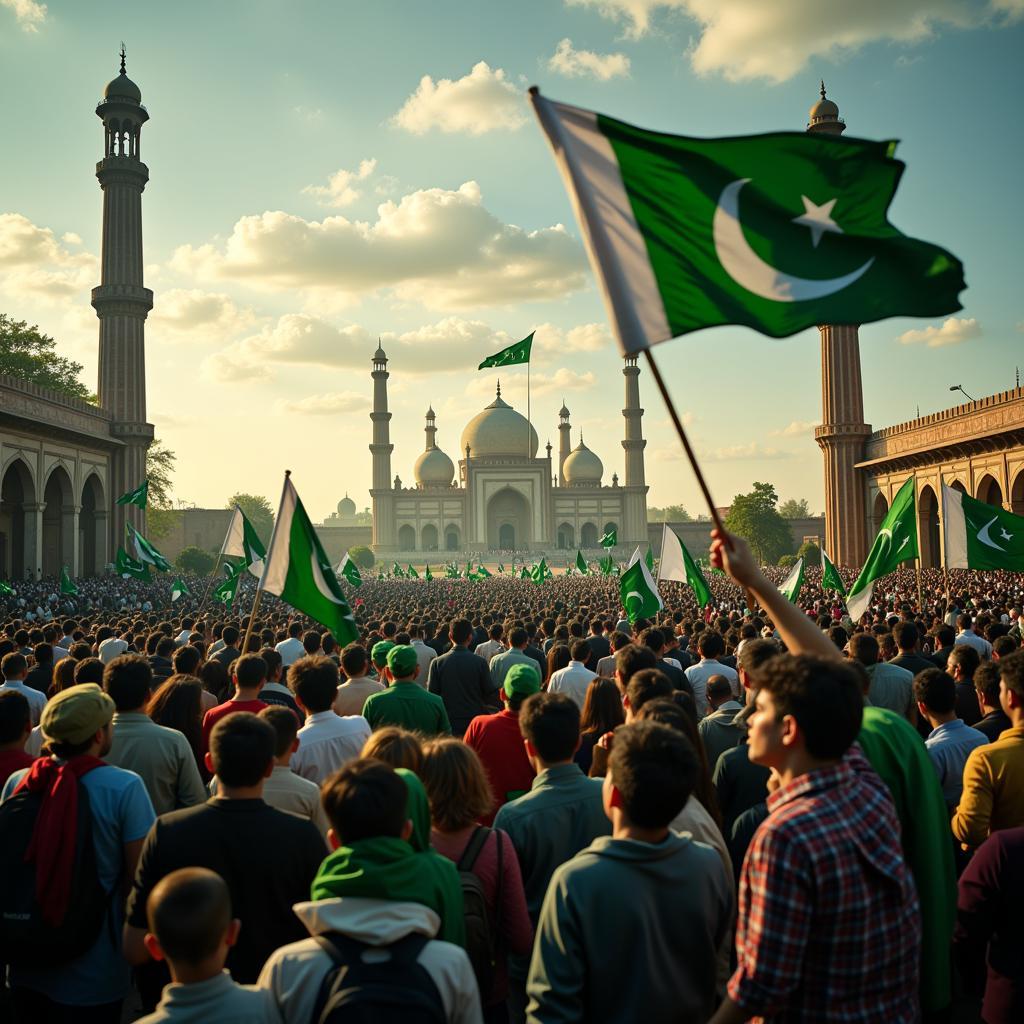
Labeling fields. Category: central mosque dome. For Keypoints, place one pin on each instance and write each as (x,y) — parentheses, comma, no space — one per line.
(433,467)
(346,507)
(582,466)
(499,431)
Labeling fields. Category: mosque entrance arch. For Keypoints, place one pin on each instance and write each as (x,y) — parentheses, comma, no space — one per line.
(58,524)
(17,521)
(508,520)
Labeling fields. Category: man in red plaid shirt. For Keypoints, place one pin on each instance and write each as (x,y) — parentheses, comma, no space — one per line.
(829,923)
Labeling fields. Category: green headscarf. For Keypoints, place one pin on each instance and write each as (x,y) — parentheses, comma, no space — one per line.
(390,868)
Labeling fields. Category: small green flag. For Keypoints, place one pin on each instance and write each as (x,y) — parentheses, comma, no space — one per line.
(649,559)
(581,563)
(67,585)
(427,574)
(501,568)
(606,565)
(980,536)
(896,542)
(243,545)
(145,552)
(482,571)
(5,589)
(524,573)
(411,573)
(451,571)
(227,591)
(638,592)
(793,582)
(349,569)
(609,539)
(539,573)
(137,497)
(517,353)
(830,578)
(777,232)
(396,571)
(128,568)
(676,564)
(178,589)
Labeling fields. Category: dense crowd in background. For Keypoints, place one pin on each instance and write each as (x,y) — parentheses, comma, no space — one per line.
(503,801)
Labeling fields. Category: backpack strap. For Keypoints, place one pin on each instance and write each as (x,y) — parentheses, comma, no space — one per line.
(473,848)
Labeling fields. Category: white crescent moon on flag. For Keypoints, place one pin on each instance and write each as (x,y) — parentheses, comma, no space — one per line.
(747,269)
(321,582)
(636,594)
(984,537)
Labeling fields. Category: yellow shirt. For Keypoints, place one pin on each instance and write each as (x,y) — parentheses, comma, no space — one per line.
(993,796)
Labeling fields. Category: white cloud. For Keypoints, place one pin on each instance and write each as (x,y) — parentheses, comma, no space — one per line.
(562,380)
(29,14)
(329,404)
(550,340)
(34,262)
(952,332)
(341,189)
(573,63)
(797,428)
(197,316)
(482,101)
(71,238)
(743,452)
(227,368)
(747,39)
(436,246)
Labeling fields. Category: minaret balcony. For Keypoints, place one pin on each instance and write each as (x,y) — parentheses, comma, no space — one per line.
(122,298)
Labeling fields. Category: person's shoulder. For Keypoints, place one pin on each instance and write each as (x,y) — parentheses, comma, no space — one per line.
(112,777)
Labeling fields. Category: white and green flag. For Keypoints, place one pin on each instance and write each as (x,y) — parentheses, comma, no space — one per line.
(676,564)
(242,542)
(349,569)
(67,585)
(830,578)
(896,542)
(777,232)
(791,585)
(178,589)
(581,563)
(609,539)
(145,552)
(298,571)
(638,591)
(411,573)
(980,536)
(227,590)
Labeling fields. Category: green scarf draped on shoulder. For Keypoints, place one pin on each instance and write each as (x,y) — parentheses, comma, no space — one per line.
(390,868)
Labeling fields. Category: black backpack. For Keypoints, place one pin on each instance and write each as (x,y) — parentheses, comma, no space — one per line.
(25,938)
(377,989)
(481,932)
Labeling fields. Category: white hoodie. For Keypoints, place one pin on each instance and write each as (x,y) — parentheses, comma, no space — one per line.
(295,973)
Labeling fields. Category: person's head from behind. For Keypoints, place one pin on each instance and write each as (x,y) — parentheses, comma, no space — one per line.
(354,661)
(935,693)
(962,663)
(311,641)
(78,721)
(15,720)
(647,684)
(190,924)
(550,724)
(602,707)
(366,799)
(128,679)
(185,660)
(719,690)
(230,636)
(14,666)
(964,621)
(250,673)
(864,648)
(631,659)
(456,784)
(395,746)
(1011,687)
(1003,646)
(652,771)
(241,751)
(710,645)
(460,631)
(285,726)
(986,685)
(521,682)
(807,713)
(314,681)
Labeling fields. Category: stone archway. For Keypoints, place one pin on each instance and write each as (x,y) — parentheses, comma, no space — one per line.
(406,538)
(1017,494)
(566,536)
(429,537)
(18,522)
(928,527)
(508,509)
(588,535)
(611,528)
(451,538)
(878,511)
(989,491)
(60,524)
(92,528)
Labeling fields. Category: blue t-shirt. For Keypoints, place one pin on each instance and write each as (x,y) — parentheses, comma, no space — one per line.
(122,812)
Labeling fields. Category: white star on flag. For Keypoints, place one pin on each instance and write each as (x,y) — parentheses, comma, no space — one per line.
(1006,536)
(818,219)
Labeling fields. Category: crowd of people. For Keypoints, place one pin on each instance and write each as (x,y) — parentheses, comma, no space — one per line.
(506,802)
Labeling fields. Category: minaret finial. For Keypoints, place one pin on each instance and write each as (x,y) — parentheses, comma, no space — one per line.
(499,387)
(122,58)
(823,88)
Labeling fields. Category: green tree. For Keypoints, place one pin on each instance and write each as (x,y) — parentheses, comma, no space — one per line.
(258,511)
(160,515)
(810,552)
(795,508)
(787,561)
(668,514)
(195,560)
(362,556)
(30,355)
(755,516)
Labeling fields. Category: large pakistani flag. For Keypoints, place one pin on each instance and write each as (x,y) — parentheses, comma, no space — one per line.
(895,543)
(297,570)
(145,552)
(242,542)
(638,591)
(777,232)
(129,568)
(349,569)
(517,353)
(676,564)
(980,536)
(790,587)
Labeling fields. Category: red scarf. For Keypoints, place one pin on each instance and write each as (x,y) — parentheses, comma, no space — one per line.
(53,839)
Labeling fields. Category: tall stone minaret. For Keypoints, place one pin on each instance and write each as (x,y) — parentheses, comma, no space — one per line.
(564,441)
(121,301)
(843,431)
(634,525)
(382,492)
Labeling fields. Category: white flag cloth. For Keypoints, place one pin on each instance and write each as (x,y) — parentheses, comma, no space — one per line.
(636,556)
(235,546)
(672,566)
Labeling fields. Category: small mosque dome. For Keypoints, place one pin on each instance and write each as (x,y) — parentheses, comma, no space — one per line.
(379,356)
(346,507)
(499,430)
(123,88)
(582,466)
(563,412)
(433,468)
(824,111)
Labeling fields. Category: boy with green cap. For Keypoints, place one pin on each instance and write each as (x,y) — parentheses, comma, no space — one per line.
(499,742)
(379,656)
(404,703)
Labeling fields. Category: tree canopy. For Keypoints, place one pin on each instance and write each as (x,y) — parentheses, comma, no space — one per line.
(755,516)
(195,560)
(258,511)
(362,556)
(668,514)
(810,551)
(30,355)
(160,516)
(795,508)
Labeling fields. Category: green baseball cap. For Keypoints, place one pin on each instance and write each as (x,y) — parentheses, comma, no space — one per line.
(75,714)
(522,680)
(379,652)
(402,660)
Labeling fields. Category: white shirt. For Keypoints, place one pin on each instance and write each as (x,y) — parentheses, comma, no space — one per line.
(979,643)
(290,650)
(36,700)
(488,649)
(182,638)
(573,681)
(424,656)
(326,742)
(698,676)
(112,648)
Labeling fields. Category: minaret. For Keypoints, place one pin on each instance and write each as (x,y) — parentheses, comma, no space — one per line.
(843,431)
(430,429)
(564,441)
(381,449)
(121,301)
(634,524)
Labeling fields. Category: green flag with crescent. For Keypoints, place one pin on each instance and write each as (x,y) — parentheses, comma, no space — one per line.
(581,563)
(830,578)
(517,353)
(138,497)
(980,536)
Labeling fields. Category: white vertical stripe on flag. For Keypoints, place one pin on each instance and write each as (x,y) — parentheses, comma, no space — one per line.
(954,529)
(671,566)
(275,570)
(234,546)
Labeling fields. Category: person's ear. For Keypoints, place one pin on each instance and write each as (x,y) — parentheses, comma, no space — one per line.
(406,833)
(269,770)
(152,944)
(531,750)
(333,841)
(615,797)
(208,761)
(922,710)
(231,935)
(790,731)
(295,744)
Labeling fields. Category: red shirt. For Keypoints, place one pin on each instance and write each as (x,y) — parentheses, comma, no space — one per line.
(499,743)
(229,707)
(12,761)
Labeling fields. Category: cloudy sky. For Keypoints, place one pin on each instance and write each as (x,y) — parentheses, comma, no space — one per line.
(324,173)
